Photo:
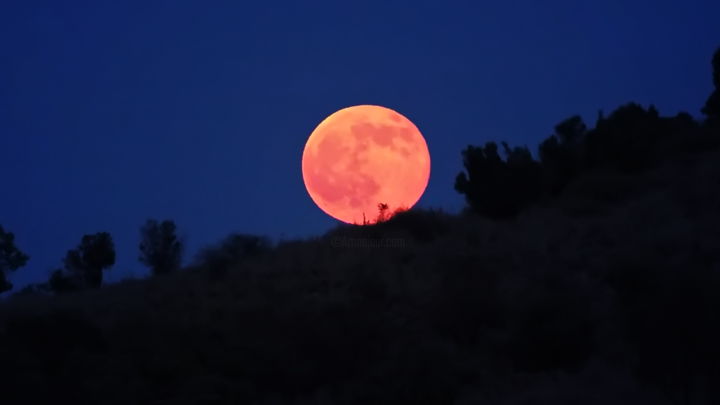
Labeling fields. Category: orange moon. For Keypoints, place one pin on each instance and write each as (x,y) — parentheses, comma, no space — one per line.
(362,156)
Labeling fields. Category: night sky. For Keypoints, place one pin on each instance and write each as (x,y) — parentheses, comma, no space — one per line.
(113,112)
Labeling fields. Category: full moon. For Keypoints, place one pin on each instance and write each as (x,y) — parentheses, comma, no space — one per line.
(363,156)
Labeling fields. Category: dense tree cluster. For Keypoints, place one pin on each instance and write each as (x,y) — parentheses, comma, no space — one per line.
(629,140)
(495,187)
(83,266)
(11,258)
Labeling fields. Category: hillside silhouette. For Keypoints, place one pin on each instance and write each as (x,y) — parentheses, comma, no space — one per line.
(589,275)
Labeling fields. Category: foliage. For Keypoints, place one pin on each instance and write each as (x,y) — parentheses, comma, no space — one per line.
(423,226)
(11,258)
(625,139)
(61,282)
(495,187)
(561,153)
(383,214)
(232,251)
(160,248)
(83,266)
(712,105)
(631,139)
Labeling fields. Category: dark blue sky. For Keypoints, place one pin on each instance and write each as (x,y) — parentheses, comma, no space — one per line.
(112,112)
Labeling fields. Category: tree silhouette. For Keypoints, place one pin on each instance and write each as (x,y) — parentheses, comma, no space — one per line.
(232,251)
(60,282)
(85,263)
(11,258)
(383,214)
(571,131)
(625,140)
(712,106)
(160,248)
(495,187)
(525,175)
(560,154)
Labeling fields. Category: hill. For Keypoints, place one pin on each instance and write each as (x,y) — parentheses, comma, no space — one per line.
(606,293)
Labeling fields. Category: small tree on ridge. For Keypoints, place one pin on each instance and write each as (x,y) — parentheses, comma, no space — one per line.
(95,253)
(11,258)
(160,248)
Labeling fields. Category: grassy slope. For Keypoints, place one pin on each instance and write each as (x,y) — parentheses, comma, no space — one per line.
(606,295)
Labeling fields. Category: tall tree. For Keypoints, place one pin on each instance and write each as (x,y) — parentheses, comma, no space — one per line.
(160,248)
(11,258)
(94,254)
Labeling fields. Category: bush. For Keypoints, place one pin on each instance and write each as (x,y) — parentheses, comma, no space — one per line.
(498,188)
(83,266)
(561,154)
(232,251)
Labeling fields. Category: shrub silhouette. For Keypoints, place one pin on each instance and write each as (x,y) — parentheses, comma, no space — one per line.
(232,251)
(561,153)
(11,258)
(160,248)
(83,265)
(383,214)
(712,105)
(625,140)
(60,282)
(423,226)
(495,187)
